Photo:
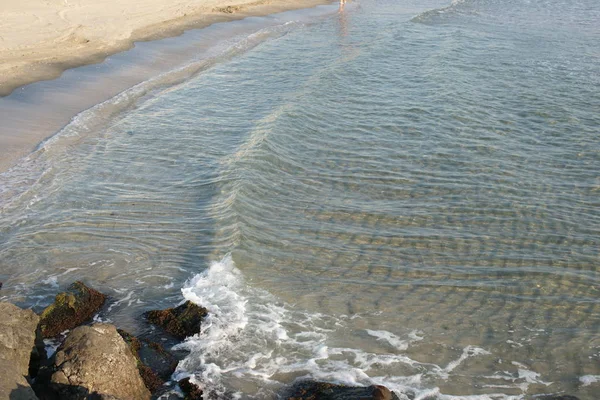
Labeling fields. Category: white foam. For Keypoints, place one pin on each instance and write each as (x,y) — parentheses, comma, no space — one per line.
(51,281)
(253,344)
(394,340)
(469,351)
(127,298)
(52,344)
(587,380)
(528,375)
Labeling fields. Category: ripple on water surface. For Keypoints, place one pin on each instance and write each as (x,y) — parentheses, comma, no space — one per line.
(401,194)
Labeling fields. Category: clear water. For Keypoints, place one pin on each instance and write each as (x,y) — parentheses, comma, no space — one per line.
(404,193)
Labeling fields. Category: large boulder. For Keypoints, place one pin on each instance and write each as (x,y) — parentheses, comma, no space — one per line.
(17,342)
(181,321)
(95,360)
(70,309)
(311,390)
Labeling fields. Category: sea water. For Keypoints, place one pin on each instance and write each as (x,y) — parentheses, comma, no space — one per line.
(402,193)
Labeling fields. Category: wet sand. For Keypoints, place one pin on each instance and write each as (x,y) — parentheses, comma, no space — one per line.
(40,39)
(42,104)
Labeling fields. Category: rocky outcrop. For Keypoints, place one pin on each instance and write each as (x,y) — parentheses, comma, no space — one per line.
(17,342)
(311,390)
(95,360)
(190,390)
(154,363)
(70,309)
(181,321)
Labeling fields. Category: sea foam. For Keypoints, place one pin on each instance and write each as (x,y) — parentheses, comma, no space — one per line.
(252,345)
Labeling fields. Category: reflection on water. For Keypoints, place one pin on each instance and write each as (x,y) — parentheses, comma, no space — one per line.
(408,194)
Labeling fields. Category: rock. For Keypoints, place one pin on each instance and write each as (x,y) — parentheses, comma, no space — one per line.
(38,354)
(17,341)
(156,357)
(311,390)
(95,360)
(156,365)
(95,396)
(557,397)
(190,390)
(70,309)
(181,321)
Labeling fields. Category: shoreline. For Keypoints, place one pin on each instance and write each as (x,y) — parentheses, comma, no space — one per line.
(47,103)
(43,41)
(143,365)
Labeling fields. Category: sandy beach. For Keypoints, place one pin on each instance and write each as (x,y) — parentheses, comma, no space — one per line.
(39,39)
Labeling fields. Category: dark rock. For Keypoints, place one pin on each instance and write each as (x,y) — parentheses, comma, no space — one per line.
(17,341)
(96,396)
(38,354)
(557,397)
(70,309)
(310,390)
(46,391)
(156,357)
(156,365)
(151,379)
(190,390)
(41,385)
(61,392)
(95,360)
(181,321)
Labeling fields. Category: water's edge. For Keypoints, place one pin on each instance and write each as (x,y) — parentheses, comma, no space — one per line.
(35,112)
(51,69)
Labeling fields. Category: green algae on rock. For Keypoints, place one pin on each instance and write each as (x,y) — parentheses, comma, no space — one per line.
(181,321)
(70,309)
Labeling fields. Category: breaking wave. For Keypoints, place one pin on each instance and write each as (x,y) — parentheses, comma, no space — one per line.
(252,344)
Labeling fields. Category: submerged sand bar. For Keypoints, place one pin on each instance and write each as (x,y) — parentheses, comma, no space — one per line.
(39,39)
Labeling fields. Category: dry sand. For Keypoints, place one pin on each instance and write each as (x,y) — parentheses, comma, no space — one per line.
(39,39)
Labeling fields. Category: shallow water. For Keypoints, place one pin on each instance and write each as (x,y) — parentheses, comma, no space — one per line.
(403,193)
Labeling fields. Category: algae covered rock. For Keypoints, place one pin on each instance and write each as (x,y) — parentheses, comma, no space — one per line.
(312,390)
(17,342)
(96,360)
(181,321)
(155,364)
(70,309)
